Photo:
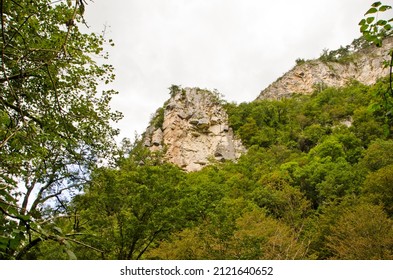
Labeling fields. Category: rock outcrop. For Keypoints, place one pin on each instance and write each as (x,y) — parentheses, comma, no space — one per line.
(365,66)
(192,130)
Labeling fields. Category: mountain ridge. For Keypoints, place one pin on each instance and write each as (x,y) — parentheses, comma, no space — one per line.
(362,63)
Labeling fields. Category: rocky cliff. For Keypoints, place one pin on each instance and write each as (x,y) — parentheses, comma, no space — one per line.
(192,130)
(335,69)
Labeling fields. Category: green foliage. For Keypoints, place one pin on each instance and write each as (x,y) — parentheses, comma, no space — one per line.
(281,200)
(362,232)
(379,154)
(300,61)
(315,182)
(254,236)
(311,162)
(378,188)
(129,209)
(374,27)
(158,118)
(54,125)
(343,55)
(133,209)
(174,89)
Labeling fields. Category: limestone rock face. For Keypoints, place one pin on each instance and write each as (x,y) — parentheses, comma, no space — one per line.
(193,131)
(366,67)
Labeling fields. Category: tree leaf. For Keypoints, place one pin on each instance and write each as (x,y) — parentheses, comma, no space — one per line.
(57,230)
(81,9)
(363,28)
(371,11)
(382,22)
(376,4)
(24,217)
(370,19)
(384,8)
(71,254)
(362,22)
(66,243)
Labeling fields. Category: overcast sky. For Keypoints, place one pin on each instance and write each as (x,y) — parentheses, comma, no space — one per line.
(238,47)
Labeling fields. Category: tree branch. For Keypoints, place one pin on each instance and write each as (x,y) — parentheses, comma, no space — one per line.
(41,191)
(8,214)
(16,77)
(84,245)
(69,27)
(148,244)
(2,143)
(23,112)
(61,203)
(2,24)
(38,201)
(55,91)
(30,245)
(391,73)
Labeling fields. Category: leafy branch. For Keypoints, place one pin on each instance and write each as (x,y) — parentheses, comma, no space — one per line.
(374,30)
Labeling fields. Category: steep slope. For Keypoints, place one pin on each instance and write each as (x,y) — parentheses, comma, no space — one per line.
(332,69)
(192,130)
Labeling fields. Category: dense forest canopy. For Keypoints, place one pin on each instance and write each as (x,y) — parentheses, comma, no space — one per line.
(315,183)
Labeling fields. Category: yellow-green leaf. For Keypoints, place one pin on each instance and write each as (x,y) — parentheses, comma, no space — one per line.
(371,11)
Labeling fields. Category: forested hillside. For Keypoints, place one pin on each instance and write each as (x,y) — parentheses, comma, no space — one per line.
(314,180)
(314,184)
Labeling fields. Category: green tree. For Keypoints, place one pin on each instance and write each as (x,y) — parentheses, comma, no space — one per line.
(248,130)
(362,232)
(281,200)
(54,124)
(379,154)
(259,236)
(129,209)
(253,235)
(378,188)
(327,175)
